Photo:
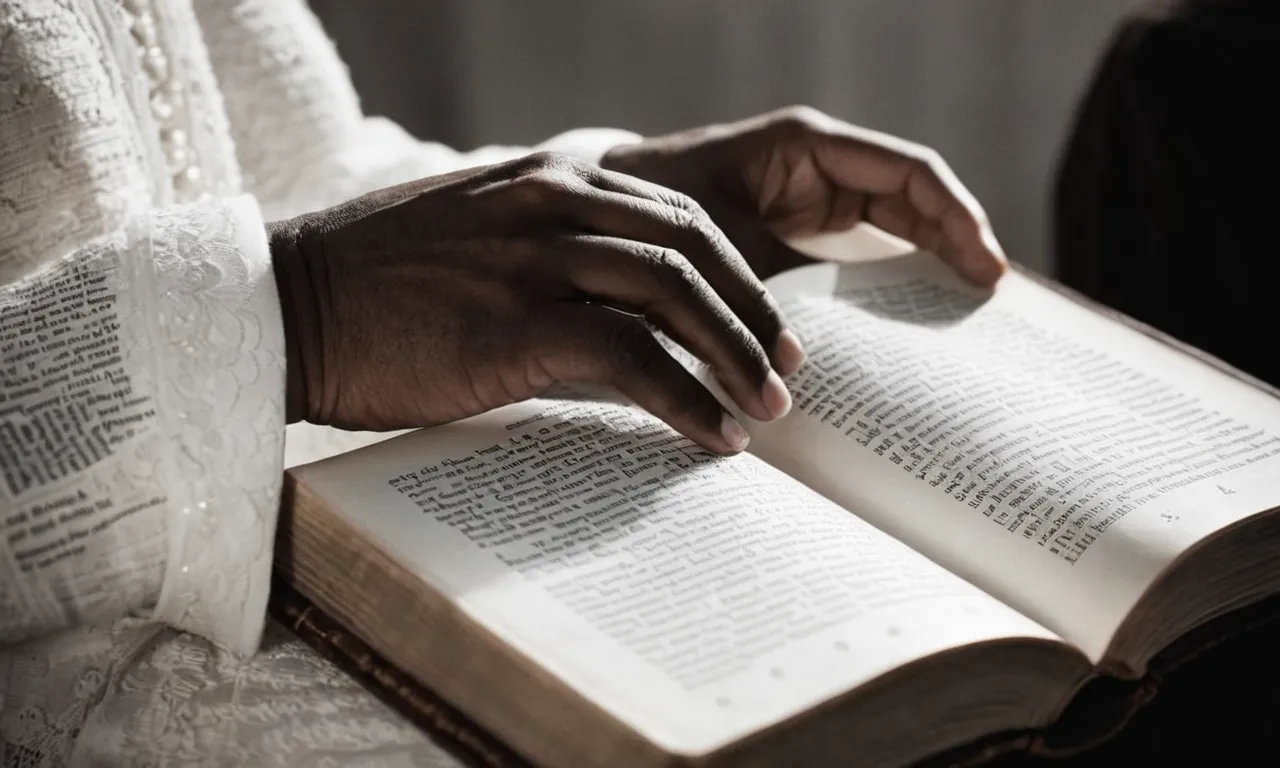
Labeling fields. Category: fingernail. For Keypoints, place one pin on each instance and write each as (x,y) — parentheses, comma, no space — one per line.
(790,353)
(775,396)
(733,433)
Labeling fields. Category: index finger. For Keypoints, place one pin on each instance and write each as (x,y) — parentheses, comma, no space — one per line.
(647,212)
(867,161)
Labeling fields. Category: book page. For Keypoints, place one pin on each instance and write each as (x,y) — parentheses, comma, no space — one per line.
(696,598)
(1056,458)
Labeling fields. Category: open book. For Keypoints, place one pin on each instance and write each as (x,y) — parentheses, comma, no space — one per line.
(980,503)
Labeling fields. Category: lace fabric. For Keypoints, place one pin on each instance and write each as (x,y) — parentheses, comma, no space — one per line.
(172,698)
(128,131)
(220,350)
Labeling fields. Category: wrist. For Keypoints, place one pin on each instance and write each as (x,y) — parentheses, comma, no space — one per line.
(297,309)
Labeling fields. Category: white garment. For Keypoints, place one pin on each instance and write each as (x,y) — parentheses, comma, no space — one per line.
(142,146)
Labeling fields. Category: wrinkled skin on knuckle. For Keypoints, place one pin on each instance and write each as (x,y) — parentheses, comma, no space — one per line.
(693,227)
(673,274)
(555,163)
(539,161)
(543,189)
(685,203)
(700,232)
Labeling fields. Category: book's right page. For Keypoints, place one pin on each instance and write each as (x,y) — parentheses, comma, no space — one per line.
(1057,458)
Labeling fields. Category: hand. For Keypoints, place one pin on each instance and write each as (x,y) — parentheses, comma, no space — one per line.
(798,172)
(446,297)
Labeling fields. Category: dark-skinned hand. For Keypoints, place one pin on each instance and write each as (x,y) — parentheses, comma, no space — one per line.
(798,172)
(446,297)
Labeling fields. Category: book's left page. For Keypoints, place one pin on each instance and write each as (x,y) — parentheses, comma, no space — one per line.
(696,599)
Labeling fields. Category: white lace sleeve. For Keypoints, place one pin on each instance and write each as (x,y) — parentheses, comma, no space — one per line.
(302,141)
(141,428)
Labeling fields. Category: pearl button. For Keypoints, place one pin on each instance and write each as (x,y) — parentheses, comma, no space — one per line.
(161,108)
(144,30)
(179,158)
(156,63)
(167,99)
(190,178)
(174,137)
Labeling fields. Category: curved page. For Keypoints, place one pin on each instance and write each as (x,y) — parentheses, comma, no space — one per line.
(696,599)
(1055,457)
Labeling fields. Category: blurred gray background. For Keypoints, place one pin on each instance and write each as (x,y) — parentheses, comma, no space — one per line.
(991,84)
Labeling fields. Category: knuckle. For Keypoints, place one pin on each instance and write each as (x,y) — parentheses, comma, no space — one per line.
(800,118)
(765,307)
(919,168)
(976,212)
(546,186)
(683,202)
(673,272)
(930,160)
(556,162)
(553,182)
(690,224)
(540,161)
(696,225)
